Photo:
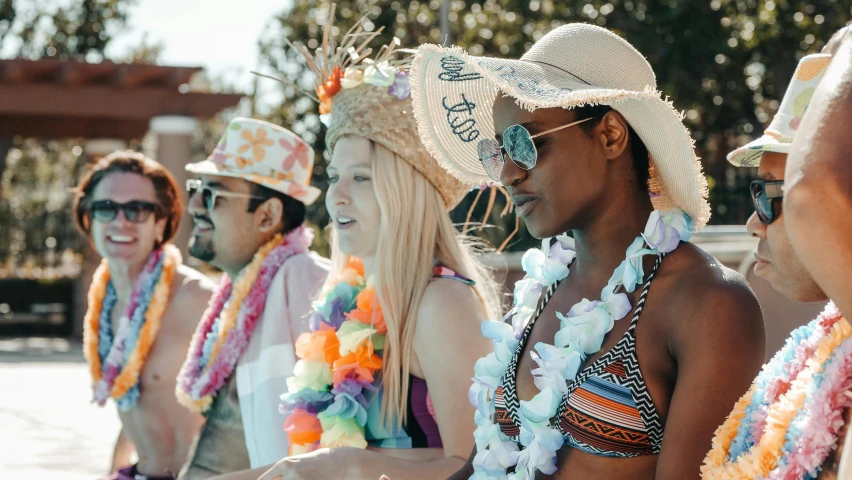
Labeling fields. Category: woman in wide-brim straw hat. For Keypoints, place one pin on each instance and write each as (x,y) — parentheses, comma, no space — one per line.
(579,385)
(395,334)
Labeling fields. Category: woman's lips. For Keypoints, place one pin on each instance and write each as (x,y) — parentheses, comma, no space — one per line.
(524,204)
(344,223)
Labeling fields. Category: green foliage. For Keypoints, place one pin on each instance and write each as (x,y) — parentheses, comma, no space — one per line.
(36,188)
(80,30)
(35,208)
(725,63)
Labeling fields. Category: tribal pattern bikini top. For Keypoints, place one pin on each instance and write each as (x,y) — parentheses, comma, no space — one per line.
(608,410)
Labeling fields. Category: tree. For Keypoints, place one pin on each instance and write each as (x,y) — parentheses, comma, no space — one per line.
(35,189)
(725,63)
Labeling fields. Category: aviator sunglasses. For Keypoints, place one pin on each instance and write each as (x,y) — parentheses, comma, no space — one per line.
(763,195)
(518,143)
(135,211)
(209,195)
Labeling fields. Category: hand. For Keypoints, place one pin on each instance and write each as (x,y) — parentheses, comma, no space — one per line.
(844,34)
(319,464)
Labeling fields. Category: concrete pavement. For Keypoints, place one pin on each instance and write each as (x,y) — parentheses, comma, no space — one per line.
(49,429)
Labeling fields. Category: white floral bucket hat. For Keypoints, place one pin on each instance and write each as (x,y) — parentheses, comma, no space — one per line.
(778,137)
(265,154)
(573,65)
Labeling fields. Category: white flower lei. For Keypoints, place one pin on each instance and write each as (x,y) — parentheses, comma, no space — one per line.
(582,333)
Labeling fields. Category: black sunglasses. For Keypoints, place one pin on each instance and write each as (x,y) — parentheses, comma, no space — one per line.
(209,195)
(763,195)
(135,211)
(518,143)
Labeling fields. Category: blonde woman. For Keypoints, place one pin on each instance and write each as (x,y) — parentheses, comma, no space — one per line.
(381,385)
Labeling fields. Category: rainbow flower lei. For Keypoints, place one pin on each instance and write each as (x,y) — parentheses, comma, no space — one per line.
(117,361)
(225,328)
(582,332)
(325,404)
(788,422)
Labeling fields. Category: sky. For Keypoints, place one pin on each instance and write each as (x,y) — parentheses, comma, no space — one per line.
(219,35)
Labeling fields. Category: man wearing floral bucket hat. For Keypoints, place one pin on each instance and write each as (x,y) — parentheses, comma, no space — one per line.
(578,134)
(248,206)
(803,445)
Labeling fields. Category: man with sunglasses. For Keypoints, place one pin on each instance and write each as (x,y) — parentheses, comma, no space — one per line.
(818,195)
(779,263)
(143,308)
(248,207)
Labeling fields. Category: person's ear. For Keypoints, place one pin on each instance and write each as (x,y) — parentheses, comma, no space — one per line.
(269,215)
(614,134)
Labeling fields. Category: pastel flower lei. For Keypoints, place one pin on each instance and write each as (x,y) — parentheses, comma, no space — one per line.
(117,361)
(325,403)
(582,332)
(225,328)
(788,422)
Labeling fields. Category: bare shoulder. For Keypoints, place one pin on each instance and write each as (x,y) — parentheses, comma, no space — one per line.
(448,333)
(708,300)
(448,306)
(447,298)
(192,293)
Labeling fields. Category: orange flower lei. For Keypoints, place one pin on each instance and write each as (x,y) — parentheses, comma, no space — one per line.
(763,457)
(129,375)
(337,360)
(228,316)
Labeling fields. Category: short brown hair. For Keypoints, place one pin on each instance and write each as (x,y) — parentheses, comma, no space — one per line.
(165,186)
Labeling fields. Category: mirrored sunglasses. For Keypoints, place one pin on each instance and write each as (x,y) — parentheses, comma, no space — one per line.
(763,195)
(518,144)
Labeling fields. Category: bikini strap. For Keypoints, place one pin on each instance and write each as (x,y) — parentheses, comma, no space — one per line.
(441,271)
(641,303)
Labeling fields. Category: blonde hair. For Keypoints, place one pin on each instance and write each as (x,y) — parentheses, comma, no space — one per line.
(415,231)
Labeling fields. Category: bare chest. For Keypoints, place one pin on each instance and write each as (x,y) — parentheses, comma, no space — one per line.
(164,351)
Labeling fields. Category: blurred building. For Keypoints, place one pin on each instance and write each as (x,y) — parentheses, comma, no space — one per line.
(106,105)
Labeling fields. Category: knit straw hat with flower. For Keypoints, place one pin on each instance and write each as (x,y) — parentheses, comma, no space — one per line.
(573,65)
(370,98)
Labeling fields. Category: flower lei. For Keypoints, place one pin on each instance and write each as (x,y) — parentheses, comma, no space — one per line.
(325,404)
(225,328)
(582,333)
(788,422)
(117,361)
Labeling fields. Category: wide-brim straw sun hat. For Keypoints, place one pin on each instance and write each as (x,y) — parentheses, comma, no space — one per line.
(572,66)
(778,137)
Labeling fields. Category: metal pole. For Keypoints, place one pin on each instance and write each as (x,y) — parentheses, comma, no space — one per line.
(445,22)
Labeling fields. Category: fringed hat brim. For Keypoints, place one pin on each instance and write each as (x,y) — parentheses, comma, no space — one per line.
(454,93)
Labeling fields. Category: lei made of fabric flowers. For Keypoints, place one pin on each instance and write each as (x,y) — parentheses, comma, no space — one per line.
(788,422)
(583,329)
(225,328)
(116,361)
(325,403)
